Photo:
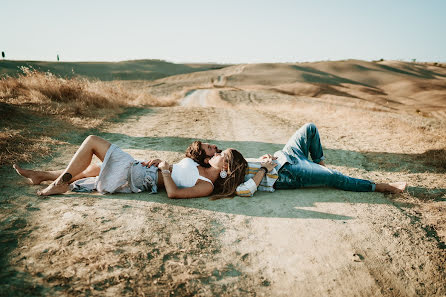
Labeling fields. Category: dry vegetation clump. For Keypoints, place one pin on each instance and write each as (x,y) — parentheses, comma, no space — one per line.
(25,133)
(18,147)
(436,158)
(69,97)
(36,107)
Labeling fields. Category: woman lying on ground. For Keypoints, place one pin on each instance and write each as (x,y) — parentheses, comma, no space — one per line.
(120,173)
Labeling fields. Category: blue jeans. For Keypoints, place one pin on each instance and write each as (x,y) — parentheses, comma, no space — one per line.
(299,171)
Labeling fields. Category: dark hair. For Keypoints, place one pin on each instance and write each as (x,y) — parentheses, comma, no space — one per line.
(237,165)
(196,153)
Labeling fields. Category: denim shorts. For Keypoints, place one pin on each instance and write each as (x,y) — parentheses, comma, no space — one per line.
(142,178)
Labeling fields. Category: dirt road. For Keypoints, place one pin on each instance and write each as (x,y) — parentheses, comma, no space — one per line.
(307,242)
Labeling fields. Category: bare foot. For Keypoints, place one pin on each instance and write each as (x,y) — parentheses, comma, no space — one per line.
(393,188)
(54,189)
(31,175)
(322,163)
(59,186)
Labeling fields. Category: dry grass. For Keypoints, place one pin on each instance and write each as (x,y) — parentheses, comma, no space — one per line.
(70,97)
(36,107)
(436,158)
(17,145)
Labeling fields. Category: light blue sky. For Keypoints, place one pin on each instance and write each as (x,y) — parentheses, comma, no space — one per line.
(229,31)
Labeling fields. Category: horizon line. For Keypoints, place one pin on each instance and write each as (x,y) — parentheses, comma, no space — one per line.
(220,63)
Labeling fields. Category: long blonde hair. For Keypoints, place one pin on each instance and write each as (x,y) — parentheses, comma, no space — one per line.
(237,165)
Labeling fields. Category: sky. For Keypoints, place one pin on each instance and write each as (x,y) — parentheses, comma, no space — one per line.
(229,31)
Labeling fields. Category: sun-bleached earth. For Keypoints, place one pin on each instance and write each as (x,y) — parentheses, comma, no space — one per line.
(383,121)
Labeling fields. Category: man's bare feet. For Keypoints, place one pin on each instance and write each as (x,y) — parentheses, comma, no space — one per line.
(322,163)
(32,175)
(393,188)
(59,186)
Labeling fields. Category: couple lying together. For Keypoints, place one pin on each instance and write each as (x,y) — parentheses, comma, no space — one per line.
(206,171)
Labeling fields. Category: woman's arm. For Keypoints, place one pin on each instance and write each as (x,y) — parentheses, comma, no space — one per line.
(153,162)
(259,176)
(248,188)
(201,189)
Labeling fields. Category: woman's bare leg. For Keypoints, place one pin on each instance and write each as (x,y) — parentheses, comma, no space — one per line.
(80,161)
(37,176)
(91,171)
(393,188)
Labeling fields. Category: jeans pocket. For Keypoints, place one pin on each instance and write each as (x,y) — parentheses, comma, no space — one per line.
(288,180)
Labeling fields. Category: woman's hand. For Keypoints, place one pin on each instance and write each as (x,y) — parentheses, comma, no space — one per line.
(268,164)
(268,157)
(163,165)
(154,162)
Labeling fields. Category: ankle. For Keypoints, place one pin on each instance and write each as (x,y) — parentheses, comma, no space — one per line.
(64,178)
(381,187)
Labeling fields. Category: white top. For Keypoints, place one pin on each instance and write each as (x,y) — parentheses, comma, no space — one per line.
(185,173)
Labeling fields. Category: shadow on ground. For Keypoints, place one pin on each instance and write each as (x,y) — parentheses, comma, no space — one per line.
(14,227)
(292,204)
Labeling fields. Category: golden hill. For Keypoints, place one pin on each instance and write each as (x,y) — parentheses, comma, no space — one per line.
(383,85)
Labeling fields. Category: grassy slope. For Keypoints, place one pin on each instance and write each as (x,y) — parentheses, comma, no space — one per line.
(125,70)
(38,107)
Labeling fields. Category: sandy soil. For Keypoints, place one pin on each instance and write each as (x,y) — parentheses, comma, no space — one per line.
(307,242)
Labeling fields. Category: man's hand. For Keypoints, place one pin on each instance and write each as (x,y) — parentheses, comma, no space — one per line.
(154,162)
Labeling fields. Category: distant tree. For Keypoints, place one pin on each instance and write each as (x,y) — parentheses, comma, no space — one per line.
(57,57)
(414,60)
(380,60)
(3,55)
